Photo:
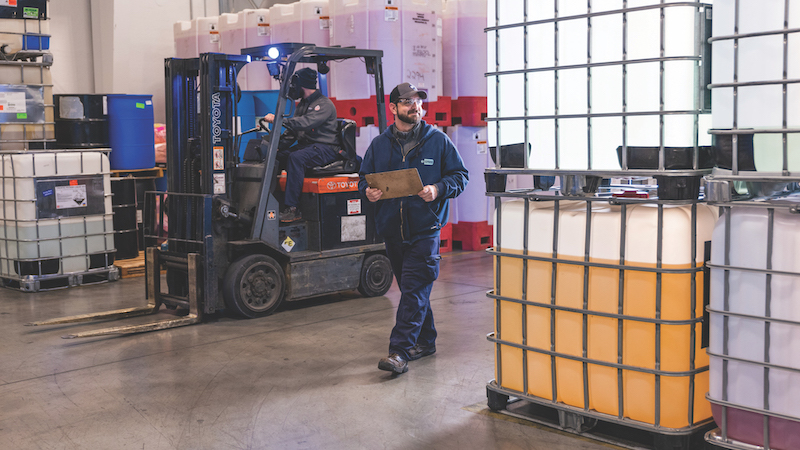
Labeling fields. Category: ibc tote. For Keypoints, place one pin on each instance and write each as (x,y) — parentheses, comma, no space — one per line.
(245,29)
(305,21)
(57,217)
(755,324)
(409,32)
(641,336)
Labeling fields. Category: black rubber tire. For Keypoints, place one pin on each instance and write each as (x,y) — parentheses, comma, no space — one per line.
(254,286)
(376,276)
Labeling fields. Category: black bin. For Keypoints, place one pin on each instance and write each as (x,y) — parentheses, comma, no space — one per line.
(81,120)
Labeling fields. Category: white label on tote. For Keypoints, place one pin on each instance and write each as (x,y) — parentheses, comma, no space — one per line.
(71,196)
(324,23)
(481,147)
(212,31)
(12,102)
(391,14)
(263,28)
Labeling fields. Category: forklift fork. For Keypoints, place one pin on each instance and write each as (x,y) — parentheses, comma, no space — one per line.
(154,300)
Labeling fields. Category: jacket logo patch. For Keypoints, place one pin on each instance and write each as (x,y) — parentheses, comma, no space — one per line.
(427,162)
(316,108)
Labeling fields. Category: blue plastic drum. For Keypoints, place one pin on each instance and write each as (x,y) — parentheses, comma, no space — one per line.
(130,132)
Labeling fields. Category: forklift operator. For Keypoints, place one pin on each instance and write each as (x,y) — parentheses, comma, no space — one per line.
(314,124)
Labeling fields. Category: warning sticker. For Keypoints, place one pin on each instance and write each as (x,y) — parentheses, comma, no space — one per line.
(219,183)
(71,196)
(391,14)
(354,206)
(219,159)
(213,33)
(482,147)
(324,22)
(12,102)
(288,244)
(263,26)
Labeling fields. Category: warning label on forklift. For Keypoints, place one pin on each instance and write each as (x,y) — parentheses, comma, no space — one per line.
(354,206)
(219,159)
(288,244)
(219,183)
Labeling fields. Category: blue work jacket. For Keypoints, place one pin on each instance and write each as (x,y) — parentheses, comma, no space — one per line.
(408,219)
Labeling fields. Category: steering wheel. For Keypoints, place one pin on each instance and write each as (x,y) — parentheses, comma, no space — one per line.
(263,125)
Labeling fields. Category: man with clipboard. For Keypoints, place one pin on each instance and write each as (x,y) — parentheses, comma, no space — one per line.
(409,221)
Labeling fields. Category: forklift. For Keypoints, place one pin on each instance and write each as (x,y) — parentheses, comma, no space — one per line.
(216,231)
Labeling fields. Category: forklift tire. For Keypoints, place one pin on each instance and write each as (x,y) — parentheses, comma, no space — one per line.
(376,276)
(254,286)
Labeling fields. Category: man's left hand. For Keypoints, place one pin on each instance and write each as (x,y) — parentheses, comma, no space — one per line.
(429,193)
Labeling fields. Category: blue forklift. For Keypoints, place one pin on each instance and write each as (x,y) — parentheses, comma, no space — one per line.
(216,232)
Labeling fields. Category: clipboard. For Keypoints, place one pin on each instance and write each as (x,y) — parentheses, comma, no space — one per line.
(395,183)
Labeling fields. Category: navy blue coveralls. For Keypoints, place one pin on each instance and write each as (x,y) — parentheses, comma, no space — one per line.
(410,226)
(315,124)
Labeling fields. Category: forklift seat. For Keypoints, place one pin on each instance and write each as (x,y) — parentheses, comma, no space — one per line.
(348,161)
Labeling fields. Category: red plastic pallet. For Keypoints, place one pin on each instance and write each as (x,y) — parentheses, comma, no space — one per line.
(473,235)
(446,239)
(439,112)
(364,111)
(469,111)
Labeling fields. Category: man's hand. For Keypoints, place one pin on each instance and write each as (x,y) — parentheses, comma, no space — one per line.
(270,118)
(373,194)
(429,193)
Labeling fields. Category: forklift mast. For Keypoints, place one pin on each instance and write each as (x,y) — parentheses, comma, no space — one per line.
(201,98)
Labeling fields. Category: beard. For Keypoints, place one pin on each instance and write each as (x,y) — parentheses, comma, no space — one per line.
(411,119)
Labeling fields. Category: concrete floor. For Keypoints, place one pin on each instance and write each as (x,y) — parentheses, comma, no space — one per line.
(303,378)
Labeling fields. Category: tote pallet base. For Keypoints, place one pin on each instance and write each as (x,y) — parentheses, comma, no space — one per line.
(715,437)
(34,283)
(601,427)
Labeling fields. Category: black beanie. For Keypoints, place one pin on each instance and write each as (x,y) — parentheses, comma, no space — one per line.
(307,78)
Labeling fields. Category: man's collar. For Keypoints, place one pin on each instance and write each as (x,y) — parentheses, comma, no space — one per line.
(315,95)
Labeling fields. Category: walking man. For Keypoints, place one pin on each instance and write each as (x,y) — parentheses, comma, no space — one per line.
(410,226)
